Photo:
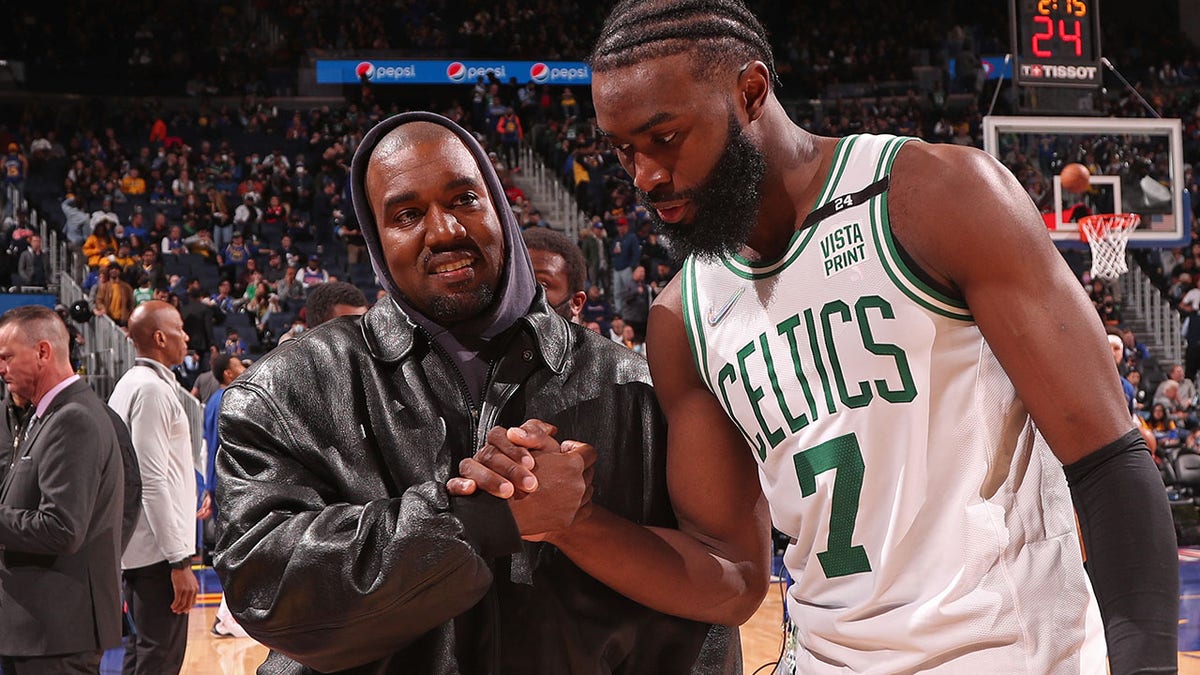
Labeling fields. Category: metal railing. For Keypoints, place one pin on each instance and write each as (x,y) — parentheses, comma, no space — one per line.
(554,201)
(1163,323)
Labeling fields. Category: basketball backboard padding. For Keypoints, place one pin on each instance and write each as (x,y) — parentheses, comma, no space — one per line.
(1136,165)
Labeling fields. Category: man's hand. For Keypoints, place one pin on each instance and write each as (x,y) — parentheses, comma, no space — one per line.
(205,507)
(504,465)
(564,492)
(186,588)
(550,484)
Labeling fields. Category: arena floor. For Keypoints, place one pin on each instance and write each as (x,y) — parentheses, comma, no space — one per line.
(761,636)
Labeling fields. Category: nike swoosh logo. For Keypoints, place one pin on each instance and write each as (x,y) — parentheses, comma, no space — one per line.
(715,316)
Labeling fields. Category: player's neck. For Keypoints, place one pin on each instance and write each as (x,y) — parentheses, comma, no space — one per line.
(797,162)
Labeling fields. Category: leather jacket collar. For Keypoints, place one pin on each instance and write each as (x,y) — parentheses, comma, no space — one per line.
(390,333)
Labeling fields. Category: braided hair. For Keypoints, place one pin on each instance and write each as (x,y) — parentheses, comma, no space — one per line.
(720,33)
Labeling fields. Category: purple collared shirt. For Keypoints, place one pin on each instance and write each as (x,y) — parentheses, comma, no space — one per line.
(49,397)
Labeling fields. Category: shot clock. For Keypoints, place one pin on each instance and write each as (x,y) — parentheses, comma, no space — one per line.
(1057,42)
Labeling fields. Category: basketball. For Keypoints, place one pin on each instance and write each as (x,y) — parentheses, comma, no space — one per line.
(1076,178)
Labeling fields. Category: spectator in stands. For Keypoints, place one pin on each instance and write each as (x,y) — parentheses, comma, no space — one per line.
(313,273)
(234,344)
(132,183)
(333,299)
(123,259)
(237,253)
(114,296)
(275,268)
(616,329)
(1127,388)
(222,300)
(1186,387)
(100,243)
(33,267)
(1164,429)
(349,233)
(143,291)
(290,289)
(200,314)
(625,252)
(558,266)
(292,255)
(173,243)
(203,245)
(596,308)
(632,340)
(183,185)
(637,302)
(510,132)
(16,170)
(593,250)
(275,214)
(77,226)
(247,216)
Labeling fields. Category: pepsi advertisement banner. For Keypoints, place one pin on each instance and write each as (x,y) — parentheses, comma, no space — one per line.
(379,71)
(994,68)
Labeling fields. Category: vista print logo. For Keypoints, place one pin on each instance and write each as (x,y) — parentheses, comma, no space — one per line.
(366,69)
(539,72)
(456,71)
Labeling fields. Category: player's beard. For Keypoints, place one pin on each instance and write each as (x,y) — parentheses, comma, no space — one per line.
(724,205)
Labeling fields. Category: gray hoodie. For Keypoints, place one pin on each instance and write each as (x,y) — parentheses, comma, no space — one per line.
(462,341)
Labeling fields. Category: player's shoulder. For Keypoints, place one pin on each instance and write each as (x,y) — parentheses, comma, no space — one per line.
(939,183)
(923,167)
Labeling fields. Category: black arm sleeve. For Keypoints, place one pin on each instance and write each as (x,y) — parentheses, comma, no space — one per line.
(1132,557)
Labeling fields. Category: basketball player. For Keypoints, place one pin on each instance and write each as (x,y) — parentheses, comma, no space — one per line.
(878,324)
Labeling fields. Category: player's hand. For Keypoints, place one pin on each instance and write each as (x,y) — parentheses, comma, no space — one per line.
(504,466)
(186,588)
(205,507)
(564,491)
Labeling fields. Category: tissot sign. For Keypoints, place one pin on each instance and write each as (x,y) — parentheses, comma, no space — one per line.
(387,71)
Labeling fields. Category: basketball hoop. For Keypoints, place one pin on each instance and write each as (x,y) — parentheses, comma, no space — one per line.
(1107,234)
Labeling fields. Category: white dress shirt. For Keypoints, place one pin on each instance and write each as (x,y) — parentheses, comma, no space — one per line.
(146,399)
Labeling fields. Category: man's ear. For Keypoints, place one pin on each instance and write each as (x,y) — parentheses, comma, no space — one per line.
(577,300)
(754,86)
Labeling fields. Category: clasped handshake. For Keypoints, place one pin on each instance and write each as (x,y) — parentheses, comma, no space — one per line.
(548,484)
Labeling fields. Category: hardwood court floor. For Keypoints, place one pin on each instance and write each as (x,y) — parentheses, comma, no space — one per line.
(208,655)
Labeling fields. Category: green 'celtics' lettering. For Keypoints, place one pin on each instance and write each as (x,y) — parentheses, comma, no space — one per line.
(756,394)
(908,390)
(863,397)
(755,441)
(843,453)
(788,328)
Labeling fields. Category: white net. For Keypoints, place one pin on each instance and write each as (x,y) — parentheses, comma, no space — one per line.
(1107,234)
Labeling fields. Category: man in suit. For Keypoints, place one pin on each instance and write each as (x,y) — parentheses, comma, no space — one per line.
(60,509)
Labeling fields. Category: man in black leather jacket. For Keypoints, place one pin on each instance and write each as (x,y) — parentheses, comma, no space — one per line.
(340,546)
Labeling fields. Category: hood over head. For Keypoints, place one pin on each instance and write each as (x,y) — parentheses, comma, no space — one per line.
(517,287)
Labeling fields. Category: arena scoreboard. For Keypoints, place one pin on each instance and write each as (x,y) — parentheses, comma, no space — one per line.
(1056,42)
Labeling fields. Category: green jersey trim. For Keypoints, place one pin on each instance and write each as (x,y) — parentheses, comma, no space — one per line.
(690,303)
(751,270)
(897,270)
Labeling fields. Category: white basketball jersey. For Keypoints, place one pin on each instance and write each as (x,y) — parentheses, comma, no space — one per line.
(932,529)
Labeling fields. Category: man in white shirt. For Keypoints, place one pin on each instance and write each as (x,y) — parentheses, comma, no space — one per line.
(160,588)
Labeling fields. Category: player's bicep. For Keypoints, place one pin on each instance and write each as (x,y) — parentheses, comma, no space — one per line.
(985,238)
(711,473)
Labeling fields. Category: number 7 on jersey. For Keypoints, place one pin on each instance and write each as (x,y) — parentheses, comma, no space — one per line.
(842,453)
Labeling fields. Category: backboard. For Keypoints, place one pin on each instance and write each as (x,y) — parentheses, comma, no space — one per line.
(1136,167)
